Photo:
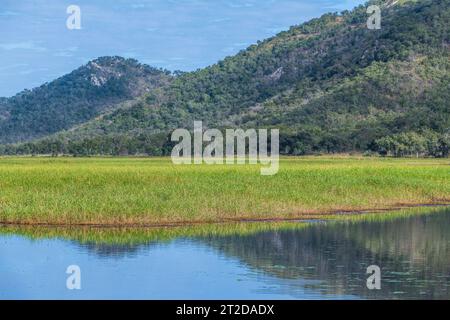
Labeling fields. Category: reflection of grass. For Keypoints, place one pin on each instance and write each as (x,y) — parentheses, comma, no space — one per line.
(153,191)
(144,235)
(388,216)
(136,236)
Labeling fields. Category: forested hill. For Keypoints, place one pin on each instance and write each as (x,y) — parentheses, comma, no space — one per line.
(75,98)
(330,85)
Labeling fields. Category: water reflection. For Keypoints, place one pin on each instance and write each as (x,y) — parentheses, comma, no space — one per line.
(413,254)
(113,250)
(263,261)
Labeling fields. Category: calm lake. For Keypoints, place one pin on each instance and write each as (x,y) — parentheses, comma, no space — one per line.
(314,260)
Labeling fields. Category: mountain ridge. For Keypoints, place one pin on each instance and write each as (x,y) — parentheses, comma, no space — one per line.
(76,97)
(330,85)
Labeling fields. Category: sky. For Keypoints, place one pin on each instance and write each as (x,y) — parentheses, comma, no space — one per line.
(37,47)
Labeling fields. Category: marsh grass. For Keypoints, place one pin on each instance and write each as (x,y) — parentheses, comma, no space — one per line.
(139,236)
(140,191)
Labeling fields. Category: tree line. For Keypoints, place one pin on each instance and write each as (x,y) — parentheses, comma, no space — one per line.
(406,144)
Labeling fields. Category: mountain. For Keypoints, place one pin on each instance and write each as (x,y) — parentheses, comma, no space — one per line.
(75,98)
(330,85)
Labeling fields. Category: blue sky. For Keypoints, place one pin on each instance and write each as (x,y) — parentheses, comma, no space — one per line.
(36,46)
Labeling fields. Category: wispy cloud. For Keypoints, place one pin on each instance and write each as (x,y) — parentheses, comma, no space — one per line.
(67,52)
(30,71)
(9,13)
(25,45)
(240,5)
(14,66)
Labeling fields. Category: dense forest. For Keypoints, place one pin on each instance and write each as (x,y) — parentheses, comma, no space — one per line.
(330,85)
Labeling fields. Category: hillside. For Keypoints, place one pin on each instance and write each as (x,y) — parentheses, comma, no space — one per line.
(75,98)
(330,85)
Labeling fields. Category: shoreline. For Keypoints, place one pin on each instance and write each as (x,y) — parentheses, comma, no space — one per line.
(176,224)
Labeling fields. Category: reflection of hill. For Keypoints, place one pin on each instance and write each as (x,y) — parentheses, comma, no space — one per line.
(413,254)
(412,249)
(114,250)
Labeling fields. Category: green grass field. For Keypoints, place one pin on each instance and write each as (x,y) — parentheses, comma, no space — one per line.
(138,191)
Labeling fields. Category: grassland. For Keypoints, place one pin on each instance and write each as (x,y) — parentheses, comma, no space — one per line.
(137,191)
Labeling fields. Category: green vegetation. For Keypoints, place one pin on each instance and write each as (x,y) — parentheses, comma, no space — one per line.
(96,88)
(411,143)
(133,191)
(331,85)
(137,236)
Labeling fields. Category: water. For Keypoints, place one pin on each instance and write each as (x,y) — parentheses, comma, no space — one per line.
(302,261)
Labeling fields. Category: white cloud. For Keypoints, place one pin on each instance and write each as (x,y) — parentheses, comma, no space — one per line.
(26,45)
(14,66)
(9,13)
(67,52)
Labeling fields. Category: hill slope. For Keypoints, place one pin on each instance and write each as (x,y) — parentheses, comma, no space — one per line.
(75,98)
(331,85)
